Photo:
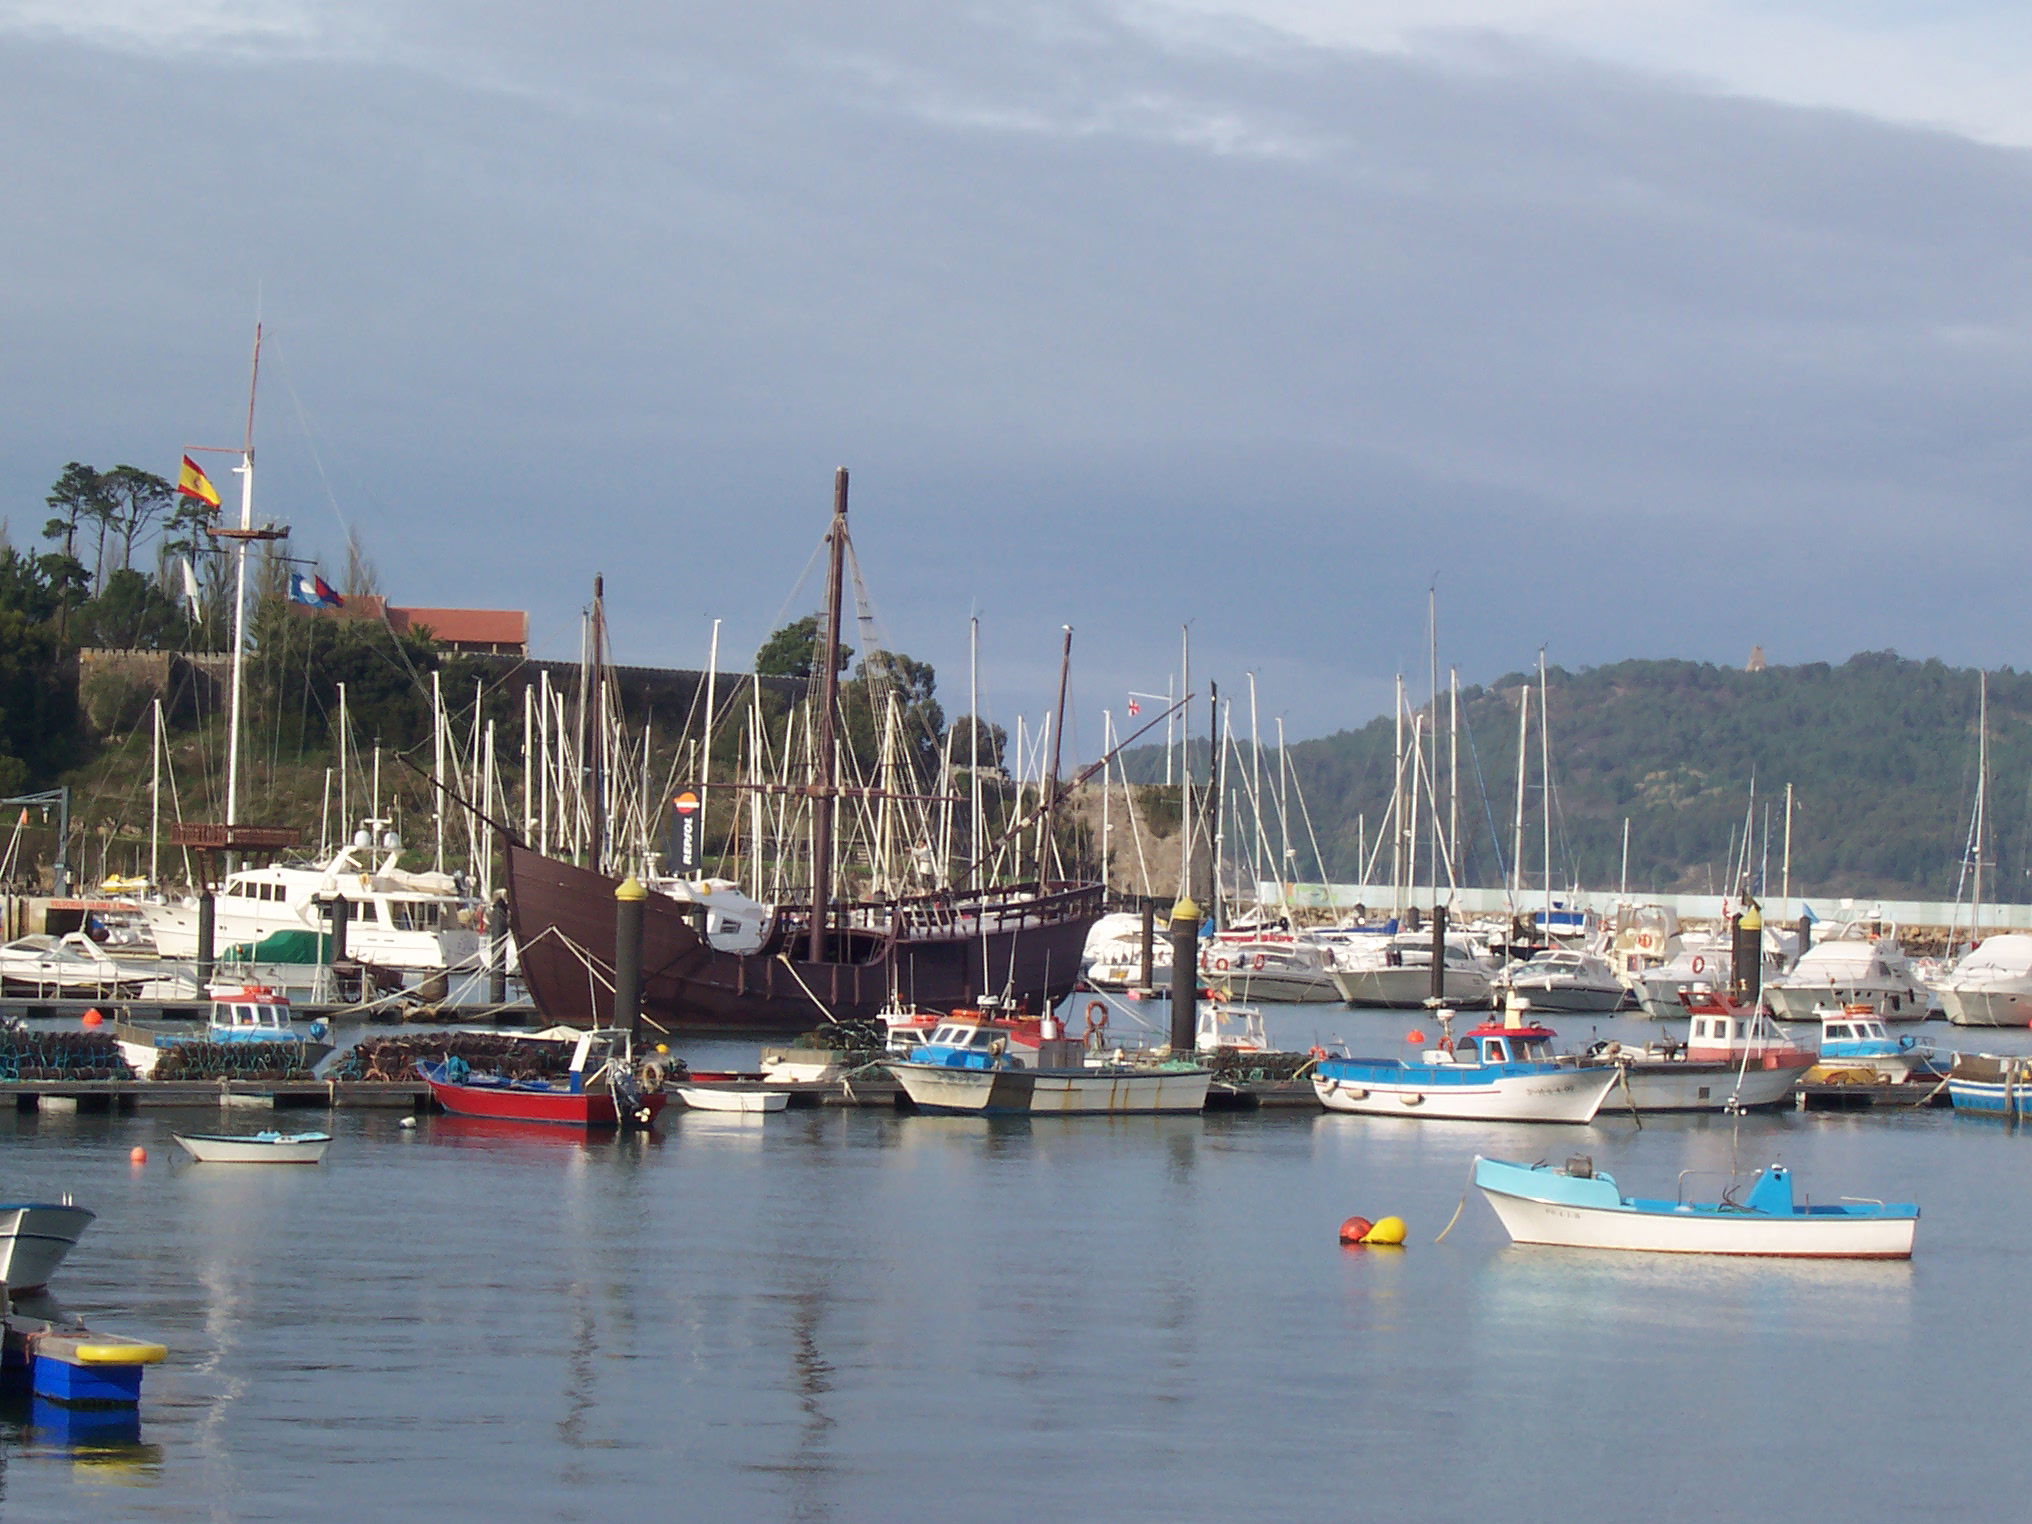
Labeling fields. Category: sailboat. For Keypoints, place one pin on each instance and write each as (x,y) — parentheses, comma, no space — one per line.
(803,963)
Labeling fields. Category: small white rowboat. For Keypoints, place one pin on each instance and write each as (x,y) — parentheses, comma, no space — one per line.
(710,1098)
(255,1148)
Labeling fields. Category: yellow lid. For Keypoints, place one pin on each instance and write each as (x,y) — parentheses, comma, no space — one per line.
(1753,919)
(1185,910)
(629,889)
(124,1353)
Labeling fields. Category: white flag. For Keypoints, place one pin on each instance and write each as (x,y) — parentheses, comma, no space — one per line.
(190,590)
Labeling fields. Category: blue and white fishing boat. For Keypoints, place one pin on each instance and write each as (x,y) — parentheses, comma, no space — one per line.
(1579,1208)
(973,1065)
(240,1014)
(1854,1041)
(1499,1072)
(1991,1084)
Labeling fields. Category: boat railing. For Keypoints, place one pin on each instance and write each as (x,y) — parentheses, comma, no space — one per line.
(1704,1174)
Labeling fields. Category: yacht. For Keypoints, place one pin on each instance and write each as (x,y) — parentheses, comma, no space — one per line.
(1560,980)
(1267,965)
(1992,984)
(409,922)
(1396,972)
(1861,963)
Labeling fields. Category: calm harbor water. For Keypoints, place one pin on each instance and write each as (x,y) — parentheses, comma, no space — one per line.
(859,1315)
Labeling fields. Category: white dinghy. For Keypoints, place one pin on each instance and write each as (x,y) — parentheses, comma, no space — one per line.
(255,1148)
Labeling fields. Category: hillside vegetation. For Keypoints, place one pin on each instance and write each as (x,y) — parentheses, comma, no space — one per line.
(1881,753)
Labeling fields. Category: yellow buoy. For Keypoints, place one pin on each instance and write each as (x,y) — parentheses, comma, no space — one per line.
(1388,1230)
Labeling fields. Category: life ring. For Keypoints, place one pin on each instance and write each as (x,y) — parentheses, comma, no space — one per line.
(1097,1020)
(1259,963)
(652,1075)
(1699,964)
(1220,965)
(1317,1053)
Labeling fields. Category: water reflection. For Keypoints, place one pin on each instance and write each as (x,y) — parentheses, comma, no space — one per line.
(102,1444)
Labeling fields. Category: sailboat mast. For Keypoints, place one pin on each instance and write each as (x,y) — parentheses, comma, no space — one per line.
(155,799)
(1517,818)
(246,469)
(1045,844)
(1786,869)
(1982,799)
(974,837)
(1545,779)
(824,804)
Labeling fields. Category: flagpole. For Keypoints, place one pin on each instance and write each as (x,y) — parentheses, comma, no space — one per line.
(246,469)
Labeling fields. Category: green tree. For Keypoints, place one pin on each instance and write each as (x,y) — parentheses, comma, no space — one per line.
(136,500)
(132,611)
(38,706)
(23,587)
(300,657)
(993,738)
(793,650)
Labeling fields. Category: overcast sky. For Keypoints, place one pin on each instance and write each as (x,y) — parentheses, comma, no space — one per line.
(1660,327)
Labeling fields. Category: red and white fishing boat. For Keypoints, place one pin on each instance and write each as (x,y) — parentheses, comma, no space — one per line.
(1735,1058)
(602,1088)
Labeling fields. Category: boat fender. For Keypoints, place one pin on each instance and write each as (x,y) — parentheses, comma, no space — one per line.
(1412,1098)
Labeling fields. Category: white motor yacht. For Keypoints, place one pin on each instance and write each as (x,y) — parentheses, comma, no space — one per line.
(412,922)
(1268,965)
(1859,964)
(1396,972)
(1561,980)
(1992,984)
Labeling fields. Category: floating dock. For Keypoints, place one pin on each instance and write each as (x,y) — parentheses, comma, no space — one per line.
(124,1096)
(515,1014)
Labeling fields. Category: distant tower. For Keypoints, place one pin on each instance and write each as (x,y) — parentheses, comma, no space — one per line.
(1756,661)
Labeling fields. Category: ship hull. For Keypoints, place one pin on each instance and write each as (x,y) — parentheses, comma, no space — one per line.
(931,957)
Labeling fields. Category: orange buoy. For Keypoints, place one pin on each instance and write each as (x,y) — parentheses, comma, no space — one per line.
(1355,1229)
(92,1018)
(137,1155)
(1414,1035)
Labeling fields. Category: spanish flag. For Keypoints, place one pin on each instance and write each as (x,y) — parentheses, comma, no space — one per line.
(192,482)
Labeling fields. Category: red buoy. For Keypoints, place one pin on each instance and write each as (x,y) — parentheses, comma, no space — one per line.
(1414,1036)
(137,1155)
(92,1018)
(1355,1229)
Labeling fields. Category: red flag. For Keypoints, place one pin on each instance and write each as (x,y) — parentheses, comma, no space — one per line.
(1134,709)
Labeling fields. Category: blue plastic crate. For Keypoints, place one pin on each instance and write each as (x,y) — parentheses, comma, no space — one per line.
(60,1381)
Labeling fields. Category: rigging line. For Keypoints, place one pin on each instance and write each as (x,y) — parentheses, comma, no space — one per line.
(1488,811)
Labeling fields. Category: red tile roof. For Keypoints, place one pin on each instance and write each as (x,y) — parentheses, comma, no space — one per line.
(465,627)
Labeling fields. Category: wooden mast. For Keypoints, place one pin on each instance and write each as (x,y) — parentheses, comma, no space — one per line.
(823,787)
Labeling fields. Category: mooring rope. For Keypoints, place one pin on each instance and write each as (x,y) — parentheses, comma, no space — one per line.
(1459,1206)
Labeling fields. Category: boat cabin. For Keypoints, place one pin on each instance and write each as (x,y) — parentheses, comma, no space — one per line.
(1498,1043)
(1729,1030)
(978,1039)
(253,1013)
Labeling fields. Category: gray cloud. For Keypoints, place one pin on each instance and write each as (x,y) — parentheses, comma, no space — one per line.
(1117,327)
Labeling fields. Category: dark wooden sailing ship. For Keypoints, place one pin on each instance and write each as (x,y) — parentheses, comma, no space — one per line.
(934,951)
(821,960)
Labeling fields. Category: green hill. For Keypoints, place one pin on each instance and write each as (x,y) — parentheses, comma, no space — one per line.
(1881,753)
